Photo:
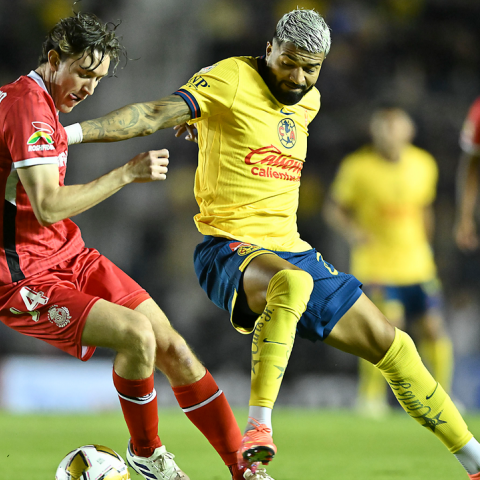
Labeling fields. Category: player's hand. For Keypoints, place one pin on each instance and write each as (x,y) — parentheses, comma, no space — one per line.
(192,133)
(466,235)
(357,237)
(148,167)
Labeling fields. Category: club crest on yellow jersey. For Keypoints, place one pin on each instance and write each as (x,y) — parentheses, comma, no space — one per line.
(287,132)
(243,249)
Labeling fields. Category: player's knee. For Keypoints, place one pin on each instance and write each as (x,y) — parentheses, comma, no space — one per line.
(173,352)
(295,286)
(401,353)
(137,337)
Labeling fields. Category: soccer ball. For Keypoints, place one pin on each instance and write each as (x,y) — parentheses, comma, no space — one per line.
(92,462)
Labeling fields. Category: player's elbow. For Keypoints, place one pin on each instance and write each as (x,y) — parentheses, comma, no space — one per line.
(46,216)
(45,220)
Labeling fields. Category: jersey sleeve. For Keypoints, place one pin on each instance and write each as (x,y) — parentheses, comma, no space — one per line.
(212,90)
(470,134)
(29,132)
(343,189)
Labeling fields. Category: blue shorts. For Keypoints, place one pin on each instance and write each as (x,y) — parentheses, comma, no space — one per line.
(416,299)
(220,263)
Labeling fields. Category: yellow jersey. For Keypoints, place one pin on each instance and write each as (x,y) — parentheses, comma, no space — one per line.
(388,200)
(251,154)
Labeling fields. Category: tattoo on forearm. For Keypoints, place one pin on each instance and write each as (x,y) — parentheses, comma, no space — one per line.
(136,120)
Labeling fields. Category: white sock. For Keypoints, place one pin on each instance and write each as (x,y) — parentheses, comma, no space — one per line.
(469,457)
(261,415)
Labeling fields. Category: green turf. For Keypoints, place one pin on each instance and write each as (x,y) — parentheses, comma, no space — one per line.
(312,445)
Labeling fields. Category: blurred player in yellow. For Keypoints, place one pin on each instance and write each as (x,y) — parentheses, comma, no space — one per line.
(252,115)
(381,203)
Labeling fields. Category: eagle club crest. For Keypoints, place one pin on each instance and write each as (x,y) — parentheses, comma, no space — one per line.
(59,315)
(243,249)
(287,132)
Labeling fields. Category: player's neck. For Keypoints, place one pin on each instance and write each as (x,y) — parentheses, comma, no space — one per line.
(43,72)
(392,156)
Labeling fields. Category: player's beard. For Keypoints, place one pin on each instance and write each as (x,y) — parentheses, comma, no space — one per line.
(283,96)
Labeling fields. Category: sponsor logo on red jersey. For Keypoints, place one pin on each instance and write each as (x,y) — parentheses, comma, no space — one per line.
(43,134)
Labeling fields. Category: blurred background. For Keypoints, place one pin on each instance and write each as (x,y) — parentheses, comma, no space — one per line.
(423,55)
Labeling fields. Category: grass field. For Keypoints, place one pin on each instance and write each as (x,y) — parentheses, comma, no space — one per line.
(312,445)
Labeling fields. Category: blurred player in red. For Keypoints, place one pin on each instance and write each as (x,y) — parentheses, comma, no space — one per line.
(466,234)
(54,288)
(253,115)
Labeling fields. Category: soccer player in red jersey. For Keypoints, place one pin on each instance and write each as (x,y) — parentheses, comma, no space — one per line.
(54,288)
(465,229)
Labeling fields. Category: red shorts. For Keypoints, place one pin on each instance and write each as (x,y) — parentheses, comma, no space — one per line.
(53,305)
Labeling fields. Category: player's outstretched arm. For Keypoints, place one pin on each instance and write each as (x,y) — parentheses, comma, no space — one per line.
(138,119)
(342,221)
(52,203)
(467,192)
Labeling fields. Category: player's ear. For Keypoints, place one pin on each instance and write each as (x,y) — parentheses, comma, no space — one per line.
(268,50)
(53,60)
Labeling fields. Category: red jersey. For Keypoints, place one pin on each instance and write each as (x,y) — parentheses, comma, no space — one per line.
(470,135)
(30,134)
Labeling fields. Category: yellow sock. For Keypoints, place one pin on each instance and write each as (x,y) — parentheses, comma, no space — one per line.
(372,387)
(287,297)
(420,395)
(438,356)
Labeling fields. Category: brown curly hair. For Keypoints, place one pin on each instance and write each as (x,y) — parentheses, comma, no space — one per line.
(83,33)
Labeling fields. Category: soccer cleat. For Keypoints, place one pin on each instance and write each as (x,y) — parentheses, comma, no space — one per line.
(159,466)
(257,445)
(245,473)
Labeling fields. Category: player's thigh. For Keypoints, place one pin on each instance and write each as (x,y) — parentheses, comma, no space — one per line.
(113,326)
(363,331)
(388,301)
(257,276)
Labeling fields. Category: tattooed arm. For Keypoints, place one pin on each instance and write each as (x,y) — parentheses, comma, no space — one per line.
(138,119)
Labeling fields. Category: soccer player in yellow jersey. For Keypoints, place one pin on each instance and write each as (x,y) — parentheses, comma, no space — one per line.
(381,203)
(252,116)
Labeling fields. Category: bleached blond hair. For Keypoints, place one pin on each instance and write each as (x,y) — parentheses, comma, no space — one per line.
(305,29)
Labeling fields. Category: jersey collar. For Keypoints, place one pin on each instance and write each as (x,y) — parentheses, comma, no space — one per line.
(39,80)
(35,76)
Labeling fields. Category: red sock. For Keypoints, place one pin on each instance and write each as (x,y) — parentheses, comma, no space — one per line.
(138,399)
(208,409)
(475,477)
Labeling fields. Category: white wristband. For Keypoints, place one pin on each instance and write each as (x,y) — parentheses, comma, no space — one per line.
(74,133)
